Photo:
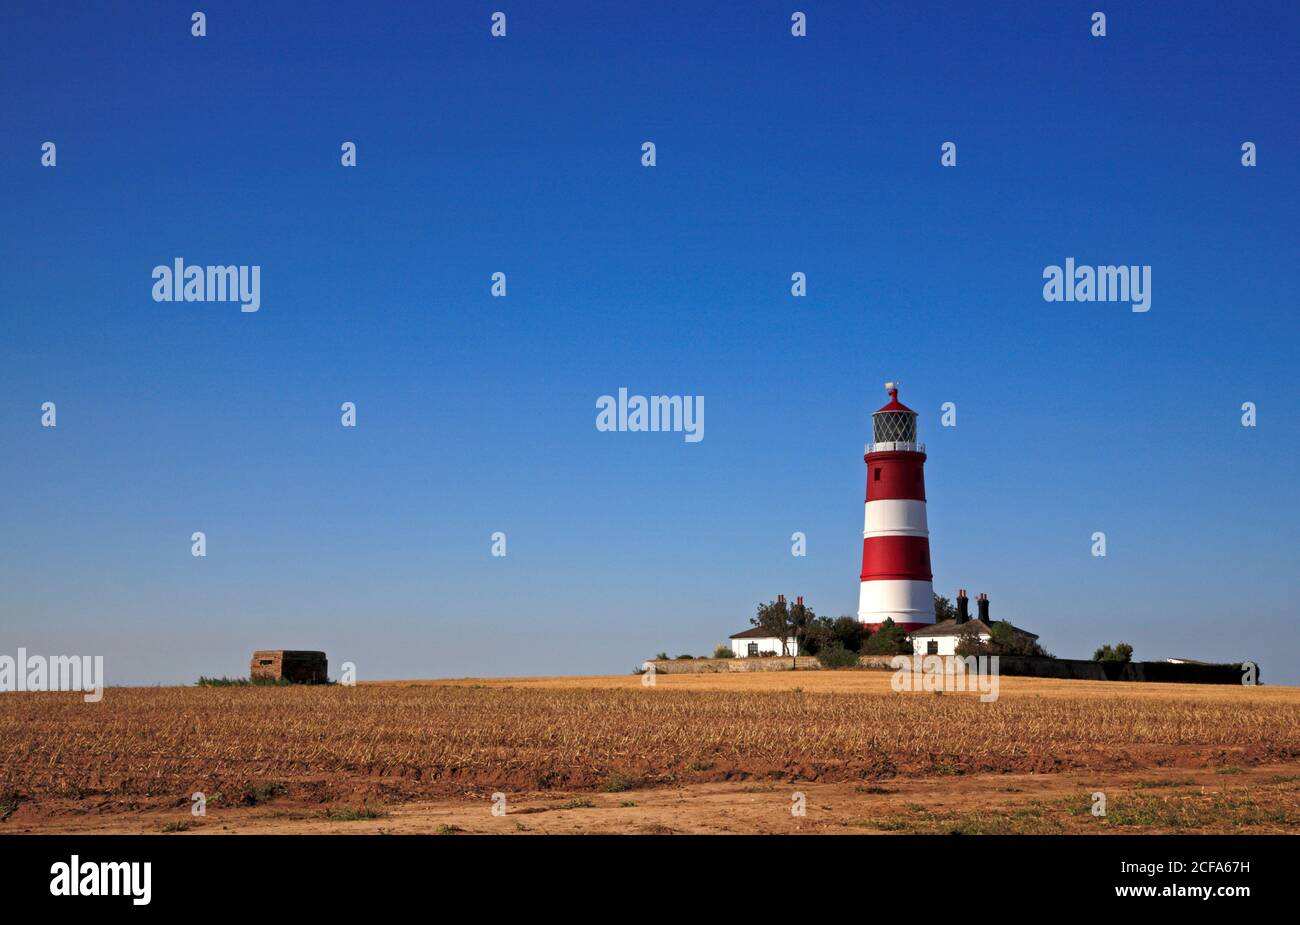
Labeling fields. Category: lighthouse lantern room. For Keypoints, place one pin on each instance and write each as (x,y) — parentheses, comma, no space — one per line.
(896,582)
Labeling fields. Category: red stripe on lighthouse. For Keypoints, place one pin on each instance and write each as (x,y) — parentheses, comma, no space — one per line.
(896,557)
(895,475)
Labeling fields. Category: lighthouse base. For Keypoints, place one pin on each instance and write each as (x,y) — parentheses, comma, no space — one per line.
(908,602)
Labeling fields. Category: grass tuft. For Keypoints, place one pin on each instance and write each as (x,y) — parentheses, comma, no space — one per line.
(242,682)
(617,782)
(255,794)
(9,800)
(353,814)
(580,803)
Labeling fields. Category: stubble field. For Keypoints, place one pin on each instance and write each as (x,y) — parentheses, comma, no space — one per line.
(694,753)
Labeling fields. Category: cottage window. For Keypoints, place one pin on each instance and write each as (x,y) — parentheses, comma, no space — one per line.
(932,647)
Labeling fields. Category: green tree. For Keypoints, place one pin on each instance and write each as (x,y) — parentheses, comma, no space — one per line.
(890,639)
(1006,640)
(801,618)
(944,609)
(849,632)
(1121,653)
(773,618)
(819,634)
(1015,642)
(823,632)
(787,621)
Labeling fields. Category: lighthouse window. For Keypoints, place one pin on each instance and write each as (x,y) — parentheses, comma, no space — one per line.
(877,475)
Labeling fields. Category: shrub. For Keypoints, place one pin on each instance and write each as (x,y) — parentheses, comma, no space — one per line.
(1007,640)
(824,631)
(9,800)
(253,794)
(1121,653)
(243,682)
(836,656)
(353,814)
(723,651)
(890,639)
(849,632)
(618,781)
(579,803)
(680,657)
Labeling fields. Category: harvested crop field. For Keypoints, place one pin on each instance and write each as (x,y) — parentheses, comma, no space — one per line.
(388,744)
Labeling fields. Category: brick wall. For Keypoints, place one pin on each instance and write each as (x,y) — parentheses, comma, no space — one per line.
(301,667)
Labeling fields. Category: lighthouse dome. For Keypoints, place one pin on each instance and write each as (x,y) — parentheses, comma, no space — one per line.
(894,404)
(894,423)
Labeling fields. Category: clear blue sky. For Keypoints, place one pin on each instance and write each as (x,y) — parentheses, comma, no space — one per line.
(477,414)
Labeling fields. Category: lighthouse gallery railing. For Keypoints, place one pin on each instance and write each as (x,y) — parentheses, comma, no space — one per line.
(895,446)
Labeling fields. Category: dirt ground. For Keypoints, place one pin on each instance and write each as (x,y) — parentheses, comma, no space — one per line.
(1264,799)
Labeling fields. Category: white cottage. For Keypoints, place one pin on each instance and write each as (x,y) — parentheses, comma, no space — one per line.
(757,641)
(944,637)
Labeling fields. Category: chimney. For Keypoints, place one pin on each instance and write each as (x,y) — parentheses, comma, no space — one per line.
(983,604)
(780,598)
(798,601)
(963,606)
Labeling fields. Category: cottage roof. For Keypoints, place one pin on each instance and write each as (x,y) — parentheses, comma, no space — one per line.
(974,627)
(755,632)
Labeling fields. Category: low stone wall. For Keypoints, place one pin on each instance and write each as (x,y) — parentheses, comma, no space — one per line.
(1011,665)
(718,665)
(876,662)
(772,663)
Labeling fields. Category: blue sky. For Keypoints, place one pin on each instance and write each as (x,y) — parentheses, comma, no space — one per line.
(476,414)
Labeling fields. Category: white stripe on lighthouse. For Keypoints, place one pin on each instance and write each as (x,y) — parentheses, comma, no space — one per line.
(905,601)
(896,517)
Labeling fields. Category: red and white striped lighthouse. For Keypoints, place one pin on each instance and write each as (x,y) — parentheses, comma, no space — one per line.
(896,579)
